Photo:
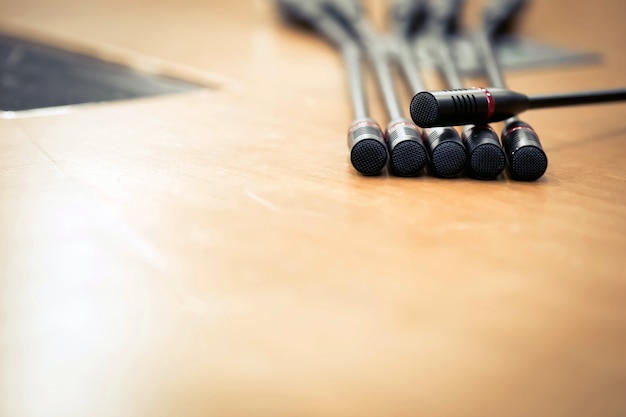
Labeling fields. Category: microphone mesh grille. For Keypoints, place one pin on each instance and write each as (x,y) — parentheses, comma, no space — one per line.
(369,156)
(408,158)
(487,161)
(449,158)
(528,163)
(424,109)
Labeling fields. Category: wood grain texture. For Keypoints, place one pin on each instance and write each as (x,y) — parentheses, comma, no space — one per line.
(215,254)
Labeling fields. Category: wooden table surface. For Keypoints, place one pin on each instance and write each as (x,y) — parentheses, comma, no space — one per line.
(214,253)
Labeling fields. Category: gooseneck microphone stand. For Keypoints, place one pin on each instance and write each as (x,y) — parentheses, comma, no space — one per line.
(407,18)
(484,152)
(445,149)
(527,160)
(407,153)
(368,151)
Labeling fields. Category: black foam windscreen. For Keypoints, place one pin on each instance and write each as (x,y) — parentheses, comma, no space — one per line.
(448,159)
(486,156)
(527,160)
(487,161)
(408,158)
(447,152)
(407,152)
(424,109)
(528,163)
(369,157)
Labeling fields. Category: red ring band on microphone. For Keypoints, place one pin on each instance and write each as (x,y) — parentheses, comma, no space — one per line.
(491,104)
(401,123)
(363,123)
(425,133)
(393,126)
(513,129)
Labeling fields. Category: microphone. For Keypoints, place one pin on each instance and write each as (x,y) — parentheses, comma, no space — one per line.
(481,105)
(445,150)
(527,160)
(368,151)
(484,152)
(406,150)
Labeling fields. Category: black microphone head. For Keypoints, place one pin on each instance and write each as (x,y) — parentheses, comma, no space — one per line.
(407,152)
(486,156)
(368,151)
(527,159)
(424,109)
(408,158)
(466,106)
(447,152)
(368,157)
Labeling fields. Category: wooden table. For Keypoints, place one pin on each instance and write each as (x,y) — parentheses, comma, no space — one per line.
(214,253)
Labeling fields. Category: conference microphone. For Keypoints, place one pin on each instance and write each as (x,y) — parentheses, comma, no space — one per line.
(527,160)
(368,152)
(407,154)
(366,142)
(483,106)
(406,149)
(486,158)
(485,155)
(445,150)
